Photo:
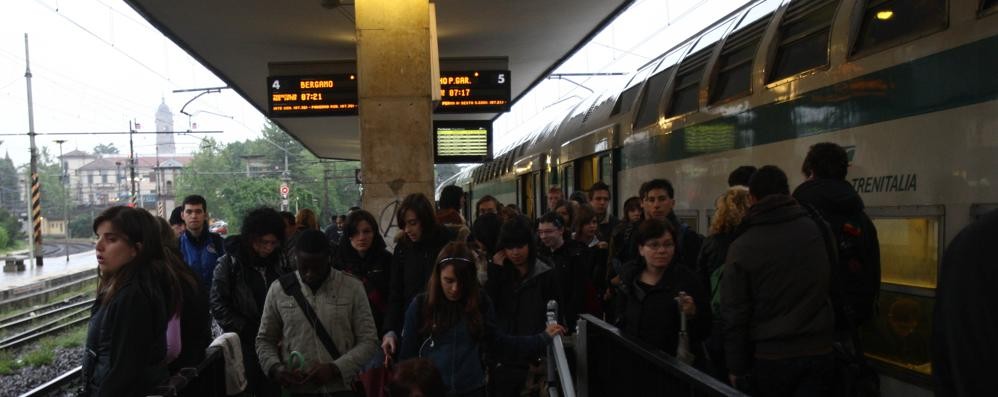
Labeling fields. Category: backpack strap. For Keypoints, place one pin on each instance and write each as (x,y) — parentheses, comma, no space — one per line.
(291,286)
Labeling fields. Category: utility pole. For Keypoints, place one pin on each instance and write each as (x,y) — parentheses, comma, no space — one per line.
(64,178)
(36,188)
(131,159)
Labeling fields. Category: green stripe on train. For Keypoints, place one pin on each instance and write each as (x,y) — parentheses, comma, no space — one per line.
(953,78)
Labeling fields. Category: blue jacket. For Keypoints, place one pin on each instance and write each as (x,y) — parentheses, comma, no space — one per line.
(454,351)
(202,254)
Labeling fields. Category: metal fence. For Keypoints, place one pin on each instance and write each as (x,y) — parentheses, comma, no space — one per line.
(609,363)
(205,380)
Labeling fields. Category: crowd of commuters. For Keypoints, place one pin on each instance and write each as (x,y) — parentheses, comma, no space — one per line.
(765,301)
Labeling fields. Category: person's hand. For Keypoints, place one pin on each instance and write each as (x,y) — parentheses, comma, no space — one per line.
(602,245)
(282,375)
(388,344)
(499,258)
(733,380)
(555,329)
(321,374)
(686,304)
(608,294)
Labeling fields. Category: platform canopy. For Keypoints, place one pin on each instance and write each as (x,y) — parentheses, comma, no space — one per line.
(239,39)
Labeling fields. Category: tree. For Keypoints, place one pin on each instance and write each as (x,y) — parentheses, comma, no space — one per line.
(10,198)
(108,148)
(11,226)
(218,172)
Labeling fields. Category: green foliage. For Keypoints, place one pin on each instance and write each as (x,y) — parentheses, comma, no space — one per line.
(108,148)
(7,364)
(43,355)
(4,238)
(81,226)
(12,226)
(218,172)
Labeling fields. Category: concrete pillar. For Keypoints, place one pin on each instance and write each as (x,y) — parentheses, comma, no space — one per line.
(393,72)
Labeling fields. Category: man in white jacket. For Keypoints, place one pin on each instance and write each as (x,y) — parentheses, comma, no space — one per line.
(341,309)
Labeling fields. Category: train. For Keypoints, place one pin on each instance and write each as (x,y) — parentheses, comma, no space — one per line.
(908,87)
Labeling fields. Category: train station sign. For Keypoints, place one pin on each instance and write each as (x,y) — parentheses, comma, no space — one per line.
(475,91)
(320,95)
(462,141)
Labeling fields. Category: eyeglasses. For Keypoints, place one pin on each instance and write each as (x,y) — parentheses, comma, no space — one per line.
(657,246)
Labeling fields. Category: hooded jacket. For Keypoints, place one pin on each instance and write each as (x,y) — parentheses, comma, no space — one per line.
(775,290)
(232,302)
(854,289)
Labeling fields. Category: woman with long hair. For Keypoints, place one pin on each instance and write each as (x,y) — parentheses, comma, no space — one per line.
(454,321)
(362,253)
(136,296)
(188,332)
(412,262)
(731,209)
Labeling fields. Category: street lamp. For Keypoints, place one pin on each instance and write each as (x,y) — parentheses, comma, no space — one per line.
(63,177)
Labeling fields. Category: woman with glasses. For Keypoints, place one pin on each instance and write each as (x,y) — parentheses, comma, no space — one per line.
(453,323)
(252,261)
(654,288)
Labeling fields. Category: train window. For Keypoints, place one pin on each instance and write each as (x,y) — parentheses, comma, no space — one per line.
(988,5)
(890,22)
(690,217)
(625,101)
(909,250)
(606,170)
(686,88)
(568,182)
(978,211)
(734,65)
(803,37)
(648,112)
(900,333)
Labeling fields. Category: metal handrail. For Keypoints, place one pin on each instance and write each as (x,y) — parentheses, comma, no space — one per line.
(700,381)
(558,369)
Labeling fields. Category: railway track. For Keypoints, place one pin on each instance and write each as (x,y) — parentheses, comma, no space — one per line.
(61,383)
(49,316)
(57,320)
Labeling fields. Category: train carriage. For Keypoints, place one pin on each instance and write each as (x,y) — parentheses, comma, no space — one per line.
(908,87)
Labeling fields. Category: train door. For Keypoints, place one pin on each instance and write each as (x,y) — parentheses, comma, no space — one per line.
(529,186)
(595,168)
(567,180)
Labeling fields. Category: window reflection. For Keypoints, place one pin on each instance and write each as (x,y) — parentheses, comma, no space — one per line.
(909,250)
(901,332)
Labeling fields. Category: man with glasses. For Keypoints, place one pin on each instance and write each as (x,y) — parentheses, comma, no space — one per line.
(254,259)
(573,269)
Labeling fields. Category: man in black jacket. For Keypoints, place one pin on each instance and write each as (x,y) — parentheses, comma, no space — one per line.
(857,274)
(778,322)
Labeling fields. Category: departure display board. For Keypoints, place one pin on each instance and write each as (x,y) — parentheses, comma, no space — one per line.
(324,95)
(462,141)
(483,91)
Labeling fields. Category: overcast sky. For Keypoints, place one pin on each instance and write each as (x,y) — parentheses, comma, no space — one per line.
(96,64)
